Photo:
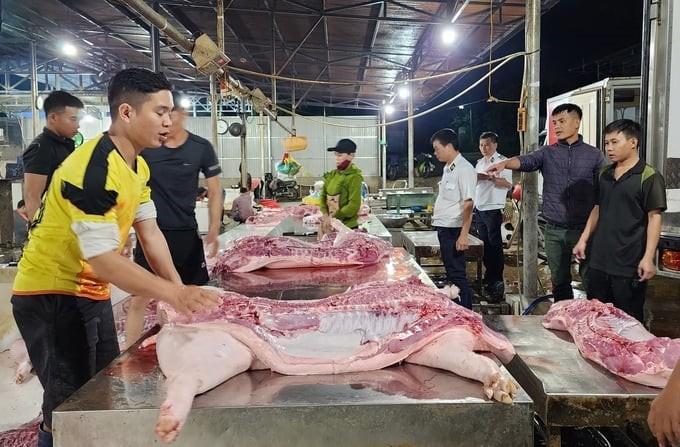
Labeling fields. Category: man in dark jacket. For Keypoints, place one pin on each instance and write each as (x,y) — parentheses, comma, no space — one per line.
(49,149)
(569,168)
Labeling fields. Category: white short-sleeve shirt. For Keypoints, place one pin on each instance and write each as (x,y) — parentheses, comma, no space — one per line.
(489,196)
(458,184)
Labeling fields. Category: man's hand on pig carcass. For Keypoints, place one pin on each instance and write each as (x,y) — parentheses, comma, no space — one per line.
(190,299)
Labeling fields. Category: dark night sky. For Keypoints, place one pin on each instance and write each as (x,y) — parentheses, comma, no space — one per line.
(578,39)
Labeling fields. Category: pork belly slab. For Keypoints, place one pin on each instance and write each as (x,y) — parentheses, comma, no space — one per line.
(613,339)
(369,327)
(277,252)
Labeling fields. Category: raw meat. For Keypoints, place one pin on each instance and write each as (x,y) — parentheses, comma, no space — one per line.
(369,327)
(254,252)
(264,280)
(24,436)
(273,216)
(615,340)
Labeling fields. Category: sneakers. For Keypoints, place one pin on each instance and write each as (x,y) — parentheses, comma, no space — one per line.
(44,437)
(495,290)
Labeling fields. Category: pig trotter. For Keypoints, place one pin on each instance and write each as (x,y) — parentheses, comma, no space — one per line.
(168,426)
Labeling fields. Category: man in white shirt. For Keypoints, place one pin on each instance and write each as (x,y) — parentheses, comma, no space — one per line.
(452,214)
(488,214)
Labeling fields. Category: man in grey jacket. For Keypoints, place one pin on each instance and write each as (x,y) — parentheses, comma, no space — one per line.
(569,168)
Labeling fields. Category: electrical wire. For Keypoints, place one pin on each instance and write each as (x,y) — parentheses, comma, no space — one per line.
(492,98)
(369,83)
(505,60)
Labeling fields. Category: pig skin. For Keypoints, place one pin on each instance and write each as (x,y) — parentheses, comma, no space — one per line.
(277,252)
(615,340)
(369,327)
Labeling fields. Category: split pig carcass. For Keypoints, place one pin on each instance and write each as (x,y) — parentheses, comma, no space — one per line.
(369,327)
(613,339)
(279,252)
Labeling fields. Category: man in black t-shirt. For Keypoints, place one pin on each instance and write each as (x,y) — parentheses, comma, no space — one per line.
(44,155)
(175,168)
(625,223)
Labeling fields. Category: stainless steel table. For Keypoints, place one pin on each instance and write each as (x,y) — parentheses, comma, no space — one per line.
(567,389)
(291,226)
(424,244)
(402,405)
(314,283)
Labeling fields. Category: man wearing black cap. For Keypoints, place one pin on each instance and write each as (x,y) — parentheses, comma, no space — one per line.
(341,193)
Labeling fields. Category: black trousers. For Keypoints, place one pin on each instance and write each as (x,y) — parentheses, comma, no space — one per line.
(454,263)
(69,339)
(186,249)
(487,226)
(628,294)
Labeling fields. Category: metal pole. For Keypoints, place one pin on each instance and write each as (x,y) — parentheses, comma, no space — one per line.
(34,92)
(160,22)
(155,44)
(244,155)
(410,140)
(530,188)
(213,109)
(220,24)
(215,101)
(261,126)
(383,147)
(644,79)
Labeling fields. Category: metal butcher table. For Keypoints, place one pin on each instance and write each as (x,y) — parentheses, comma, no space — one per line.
(567,389)
(291,226)
(401,405)
(424,244)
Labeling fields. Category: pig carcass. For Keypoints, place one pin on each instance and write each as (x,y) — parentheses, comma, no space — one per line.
(613,339)
(265,280)
(25,435)
(369,327)
(275,252)
(274,216)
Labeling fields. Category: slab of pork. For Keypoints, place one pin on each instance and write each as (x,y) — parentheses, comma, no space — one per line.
(275,252)
(366,328)
(615,340)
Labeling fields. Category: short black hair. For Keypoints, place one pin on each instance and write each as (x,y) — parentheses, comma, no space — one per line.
(445,136)
(58,100)
(569,108)
(243,189)
(629,128)
(493,136)
(131,84)
(21,203)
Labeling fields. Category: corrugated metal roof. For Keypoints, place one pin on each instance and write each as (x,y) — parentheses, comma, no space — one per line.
(366,46)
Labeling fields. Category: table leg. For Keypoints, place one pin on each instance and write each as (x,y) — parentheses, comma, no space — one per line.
(554,436)
(479,277)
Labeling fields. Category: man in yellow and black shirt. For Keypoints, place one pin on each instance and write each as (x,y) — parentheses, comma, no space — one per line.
(61,291)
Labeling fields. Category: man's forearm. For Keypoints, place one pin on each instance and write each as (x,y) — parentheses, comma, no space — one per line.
(215,204)
(513,164)
(653,234)
(591,223)
(125,274)
(34,185)
(467,217)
